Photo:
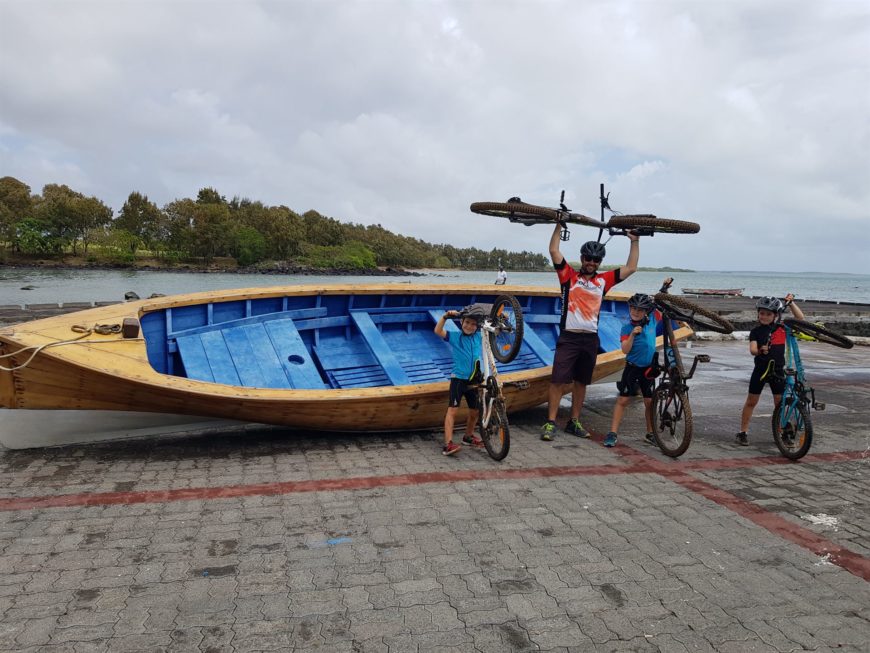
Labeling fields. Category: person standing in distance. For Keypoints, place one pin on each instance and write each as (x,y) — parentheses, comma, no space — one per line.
(501,279)
(577,346)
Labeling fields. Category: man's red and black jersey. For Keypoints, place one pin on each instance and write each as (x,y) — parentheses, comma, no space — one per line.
(582,296)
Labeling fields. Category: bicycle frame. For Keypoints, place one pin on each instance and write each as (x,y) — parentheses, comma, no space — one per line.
(672,413)
(675,372)
(490,374)
(796,392)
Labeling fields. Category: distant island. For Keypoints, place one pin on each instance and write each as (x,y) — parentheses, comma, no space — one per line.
(643,269)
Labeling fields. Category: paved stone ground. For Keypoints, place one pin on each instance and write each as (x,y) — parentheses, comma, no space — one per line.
(271,541)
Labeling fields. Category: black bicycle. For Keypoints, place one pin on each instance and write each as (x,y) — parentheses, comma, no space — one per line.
(671,411)
(521,212)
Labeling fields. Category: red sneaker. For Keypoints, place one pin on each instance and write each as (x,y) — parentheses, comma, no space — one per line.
(450,448)
(472,440)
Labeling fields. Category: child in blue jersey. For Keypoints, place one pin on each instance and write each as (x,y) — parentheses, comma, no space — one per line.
(638,339)
(465,346)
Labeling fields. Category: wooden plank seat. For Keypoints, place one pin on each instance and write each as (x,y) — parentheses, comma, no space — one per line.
(255,354)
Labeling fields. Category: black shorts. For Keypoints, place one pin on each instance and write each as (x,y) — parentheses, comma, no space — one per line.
(770,373)
(633,379)
(460,388)
(576,354)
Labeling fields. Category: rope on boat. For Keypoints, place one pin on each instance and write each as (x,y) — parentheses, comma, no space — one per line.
(84,330)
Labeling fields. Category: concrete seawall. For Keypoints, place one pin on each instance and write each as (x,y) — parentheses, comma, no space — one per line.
(14,313)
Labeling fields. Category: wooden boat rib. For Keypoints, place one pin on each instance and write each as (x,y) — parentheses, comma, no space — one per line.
(343,357)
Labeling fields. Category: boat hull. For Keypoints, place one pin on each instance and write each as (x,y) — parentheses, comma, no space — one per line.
(110,373)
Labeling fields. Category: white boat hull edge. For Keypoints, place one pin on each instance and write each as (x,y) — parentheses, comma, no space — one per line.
(30,429)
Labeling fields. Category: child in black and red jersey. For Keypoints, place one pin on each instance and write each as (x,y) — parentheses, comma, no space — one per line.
(767,344)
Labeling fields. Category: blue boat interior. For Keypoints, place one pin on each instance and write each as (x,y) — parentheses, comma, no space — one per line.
(339,341)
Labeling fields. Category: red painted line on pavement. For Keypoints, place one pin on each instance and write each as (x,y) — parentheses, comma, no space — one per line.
(842,557)
(852,562)
(319,485)
(638,463)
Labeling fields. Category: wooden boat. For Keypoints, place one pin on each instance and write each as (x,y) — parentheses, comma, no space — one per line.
(334,358)
(725,292)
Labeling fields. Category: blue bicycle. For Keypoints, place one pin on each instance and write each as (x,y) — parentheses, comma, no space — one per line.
(791,422)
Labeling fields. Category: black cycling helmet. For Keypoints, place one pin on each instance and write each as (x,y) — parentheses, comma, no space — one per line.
(592,248)
(772,304)
(641,301)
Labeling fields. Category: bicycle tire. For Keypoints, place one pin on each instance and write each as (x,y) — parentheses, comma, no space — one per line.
(672,431)
(653,224)
(507,312)
(497,435)
(529,214)
(798,446)
(820,333)
(688,311)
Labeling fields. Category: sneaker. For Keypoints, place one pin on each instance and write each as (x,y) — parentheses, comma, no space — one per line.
(574,427)
(548,430)
(610,439)
(651,438)
(450,448)
(742,438)
(472,440)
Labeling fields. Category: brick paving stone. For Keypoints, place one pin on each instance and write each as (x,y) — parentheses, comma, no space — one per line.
(621,561)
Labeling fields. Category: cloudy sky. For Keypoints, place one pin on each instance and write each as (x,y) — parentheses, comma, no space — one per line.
(749,117)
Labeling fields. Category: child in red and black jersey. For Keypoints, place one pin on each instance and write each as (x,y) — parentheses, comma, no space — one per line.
(767,344)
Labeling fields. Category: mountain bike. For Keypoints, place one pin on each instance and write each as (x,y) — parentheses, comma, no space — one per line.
(502,326)
(521,212)
(791,422)
(671,411)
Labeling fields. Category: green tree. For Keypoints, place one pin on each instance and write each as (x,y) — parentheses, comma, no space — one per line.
(249,245)
(16,204)
(69,215)
(32,237)
(321,230)
(209,196)
(140,218)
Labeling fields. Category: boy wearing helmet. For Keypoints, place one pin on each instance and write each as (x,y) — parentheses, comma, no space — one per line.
(577,347)
(638,341)
(767,344)
(465,346)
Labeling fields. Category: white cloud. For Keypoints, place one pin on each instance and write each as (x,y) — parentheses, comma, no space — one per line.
(748,117)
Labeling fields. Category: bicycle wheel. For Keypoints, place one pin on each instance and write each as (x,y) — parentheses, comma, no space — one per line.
(507,316)
(820,333)
(652,224)
(793,439)
(672,421)
(687,311)
(528,214)
(496,435)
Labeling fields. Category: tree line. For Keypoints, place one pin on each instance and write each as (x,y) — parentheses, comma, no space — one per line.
(62,221)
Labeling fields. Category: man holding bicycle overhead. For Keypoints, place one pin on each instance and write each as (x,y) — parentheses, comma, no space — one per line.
(577,347)
(767,344)
(465,346)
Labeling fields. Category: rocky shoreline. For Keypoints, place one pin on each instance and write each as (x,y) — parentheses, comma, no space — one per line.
(275,269)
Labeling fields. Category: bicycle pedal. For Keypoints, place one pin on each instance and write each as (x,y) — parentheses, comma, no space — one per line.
(703,358)
(818,405)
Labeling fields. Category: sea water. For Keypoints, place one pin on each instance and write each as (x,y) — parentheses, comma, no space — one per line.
(50,286)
